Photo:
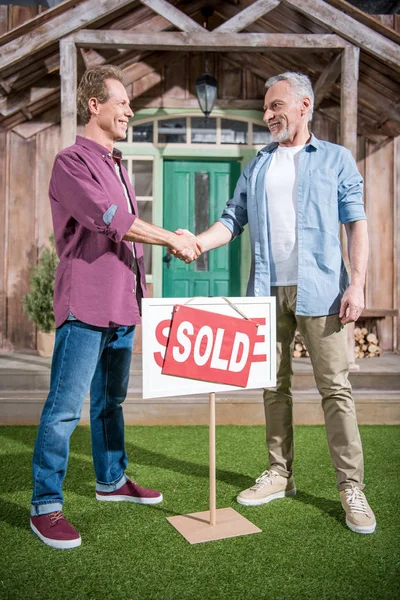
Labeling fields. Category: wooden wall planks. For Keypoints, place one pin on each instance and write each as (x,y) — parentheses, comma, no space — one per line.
(379,169)
(13,16)
(3,19)
(48,144)
(25,225)
(3,231)
(21,248)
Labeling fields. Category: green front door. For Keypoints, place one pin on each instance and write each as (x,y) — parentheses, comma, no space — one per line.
(195,193)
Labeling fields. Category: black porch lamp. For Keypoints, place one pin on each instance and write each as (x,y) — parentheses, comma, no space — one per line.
(206,84)
(206,92)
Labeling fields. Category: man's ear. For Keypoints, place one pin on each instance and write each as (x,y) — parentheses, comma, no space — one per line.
(93,106)
(305,105)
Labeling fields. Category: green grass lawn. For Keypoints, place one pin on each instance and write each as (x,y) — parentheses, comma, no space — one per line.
(131,552)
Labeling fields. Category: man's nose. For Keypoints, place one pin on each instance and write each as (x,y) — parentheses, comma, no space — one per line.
(268,115)
(129,112)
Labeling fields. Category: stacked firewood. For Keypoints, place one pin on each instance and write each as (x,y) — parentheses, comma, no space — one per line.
(366,343)
(300,350)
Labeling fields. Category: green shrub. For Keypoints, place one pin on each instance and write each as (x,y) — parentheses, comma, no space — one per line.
(38,303)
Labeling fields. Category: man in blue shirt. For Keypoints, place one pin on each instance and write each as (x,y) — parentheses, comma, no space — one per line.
(293,195)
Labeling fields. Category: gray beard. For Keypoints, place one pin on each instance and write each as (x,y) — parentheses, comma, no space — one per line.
(281,136)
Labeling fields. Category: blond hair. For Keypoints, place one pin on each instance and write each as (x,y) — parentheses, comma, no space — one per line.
(92,85)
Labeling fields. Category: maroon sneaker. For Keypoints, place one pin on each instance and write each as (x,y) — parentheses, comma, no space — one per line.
(55,531)
(131,492)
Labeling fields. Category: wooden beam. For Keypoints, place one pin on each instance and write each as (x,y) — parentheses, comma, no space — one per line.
(50,32)
(364,126)
(27,76)
(173,15)
(92,58)
(31,128)
(349,98)
(27,114)
(365,18)
(385,108)
(80,63)
(68,73)
(205,41)
(4,86)
(348,138)
(248,16)
(41,18)
(15,102)
(189,103)
(396,242)
(326,80)
(156,61)
(352,30)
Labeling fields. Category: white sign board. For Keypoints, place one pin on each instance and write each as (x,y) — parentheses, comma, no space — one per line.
(156,320)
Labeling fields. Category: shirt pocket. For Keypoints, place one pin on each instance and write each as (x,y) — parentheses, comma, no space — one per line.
(323,186)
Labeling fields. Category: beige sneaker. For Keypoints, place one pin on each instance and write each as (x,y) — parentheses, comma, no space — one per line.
(269,486)
(359,515)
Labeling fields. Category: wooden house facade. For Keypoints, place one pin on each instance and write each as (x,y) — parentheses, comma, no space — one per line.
(353,60)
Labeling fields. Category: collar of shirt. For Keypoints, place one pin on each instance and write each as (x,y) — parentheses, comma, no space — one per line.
(313,144)
(104,152)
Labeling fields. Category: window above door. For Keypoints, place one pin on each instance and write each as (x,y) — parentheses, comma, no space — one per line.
(194,130)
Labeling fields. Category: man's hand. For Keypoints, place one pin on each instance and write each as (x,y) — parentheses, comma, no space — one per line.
(215,236)
(186,246)
(352,304)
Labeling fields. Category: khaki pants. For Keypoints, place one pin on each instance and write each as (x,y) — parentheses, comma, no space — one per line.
(326,340)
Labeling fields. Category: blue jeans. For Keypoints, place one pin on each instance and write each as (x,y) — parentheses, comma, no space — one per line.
(85,357)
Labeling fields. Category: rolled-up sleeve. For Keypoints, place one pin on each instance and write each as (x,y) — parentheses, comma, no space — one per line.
(75,188)
(234,216)
(350,190)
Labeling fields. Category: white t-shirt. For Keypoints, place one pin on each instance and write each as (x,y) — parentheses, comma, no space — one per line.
(128,200)
(281,188)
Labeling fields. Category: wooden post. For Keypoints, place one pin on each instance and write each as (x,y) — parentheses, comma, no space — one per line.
(203,526)
(396,245)
(348,138)
(68,73)
(213,496)
(348,98)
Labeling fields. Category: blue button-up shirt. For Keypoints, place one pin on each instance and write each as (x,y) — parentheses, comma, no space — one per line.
(329,191)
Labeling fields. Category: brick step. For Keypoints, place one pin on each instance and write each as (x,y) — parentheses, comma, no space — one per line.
(244,407)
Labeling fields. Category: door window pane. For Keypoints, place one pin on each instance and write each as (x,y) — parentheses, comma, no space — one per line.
(172,131)
(233,132)
(204,132)
(142,133)
(142,177)
(261,135)
(201,213)
(146,214)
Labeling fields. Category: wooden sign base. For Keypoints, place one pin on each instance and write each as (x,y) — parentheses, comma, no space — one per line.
(212,524)
(196,527)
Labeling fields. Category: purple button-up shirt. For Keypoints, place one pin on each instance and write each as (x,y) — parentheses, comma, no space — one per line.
(95,278)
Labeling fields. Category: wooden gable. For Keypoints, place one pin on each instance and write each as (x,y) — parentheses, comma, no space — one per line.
(30,58)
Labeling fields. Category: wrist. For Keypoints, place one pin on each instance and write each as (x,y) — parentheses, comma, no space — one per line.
(171,240)
(357,284)
(202,242)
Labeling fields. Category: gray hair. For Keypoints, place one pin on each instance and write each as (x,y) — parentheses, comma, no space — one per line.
(300,84)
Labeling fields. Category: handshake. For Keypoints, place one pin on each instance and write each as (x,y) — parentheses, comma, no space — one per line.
(186,246)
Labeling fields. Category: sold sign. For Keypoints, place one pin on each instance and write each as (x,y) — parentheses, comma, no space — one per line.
(206,346)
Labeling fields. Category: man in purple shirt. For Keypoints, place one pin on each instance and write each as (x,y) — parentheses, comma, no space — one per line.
(99,285)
